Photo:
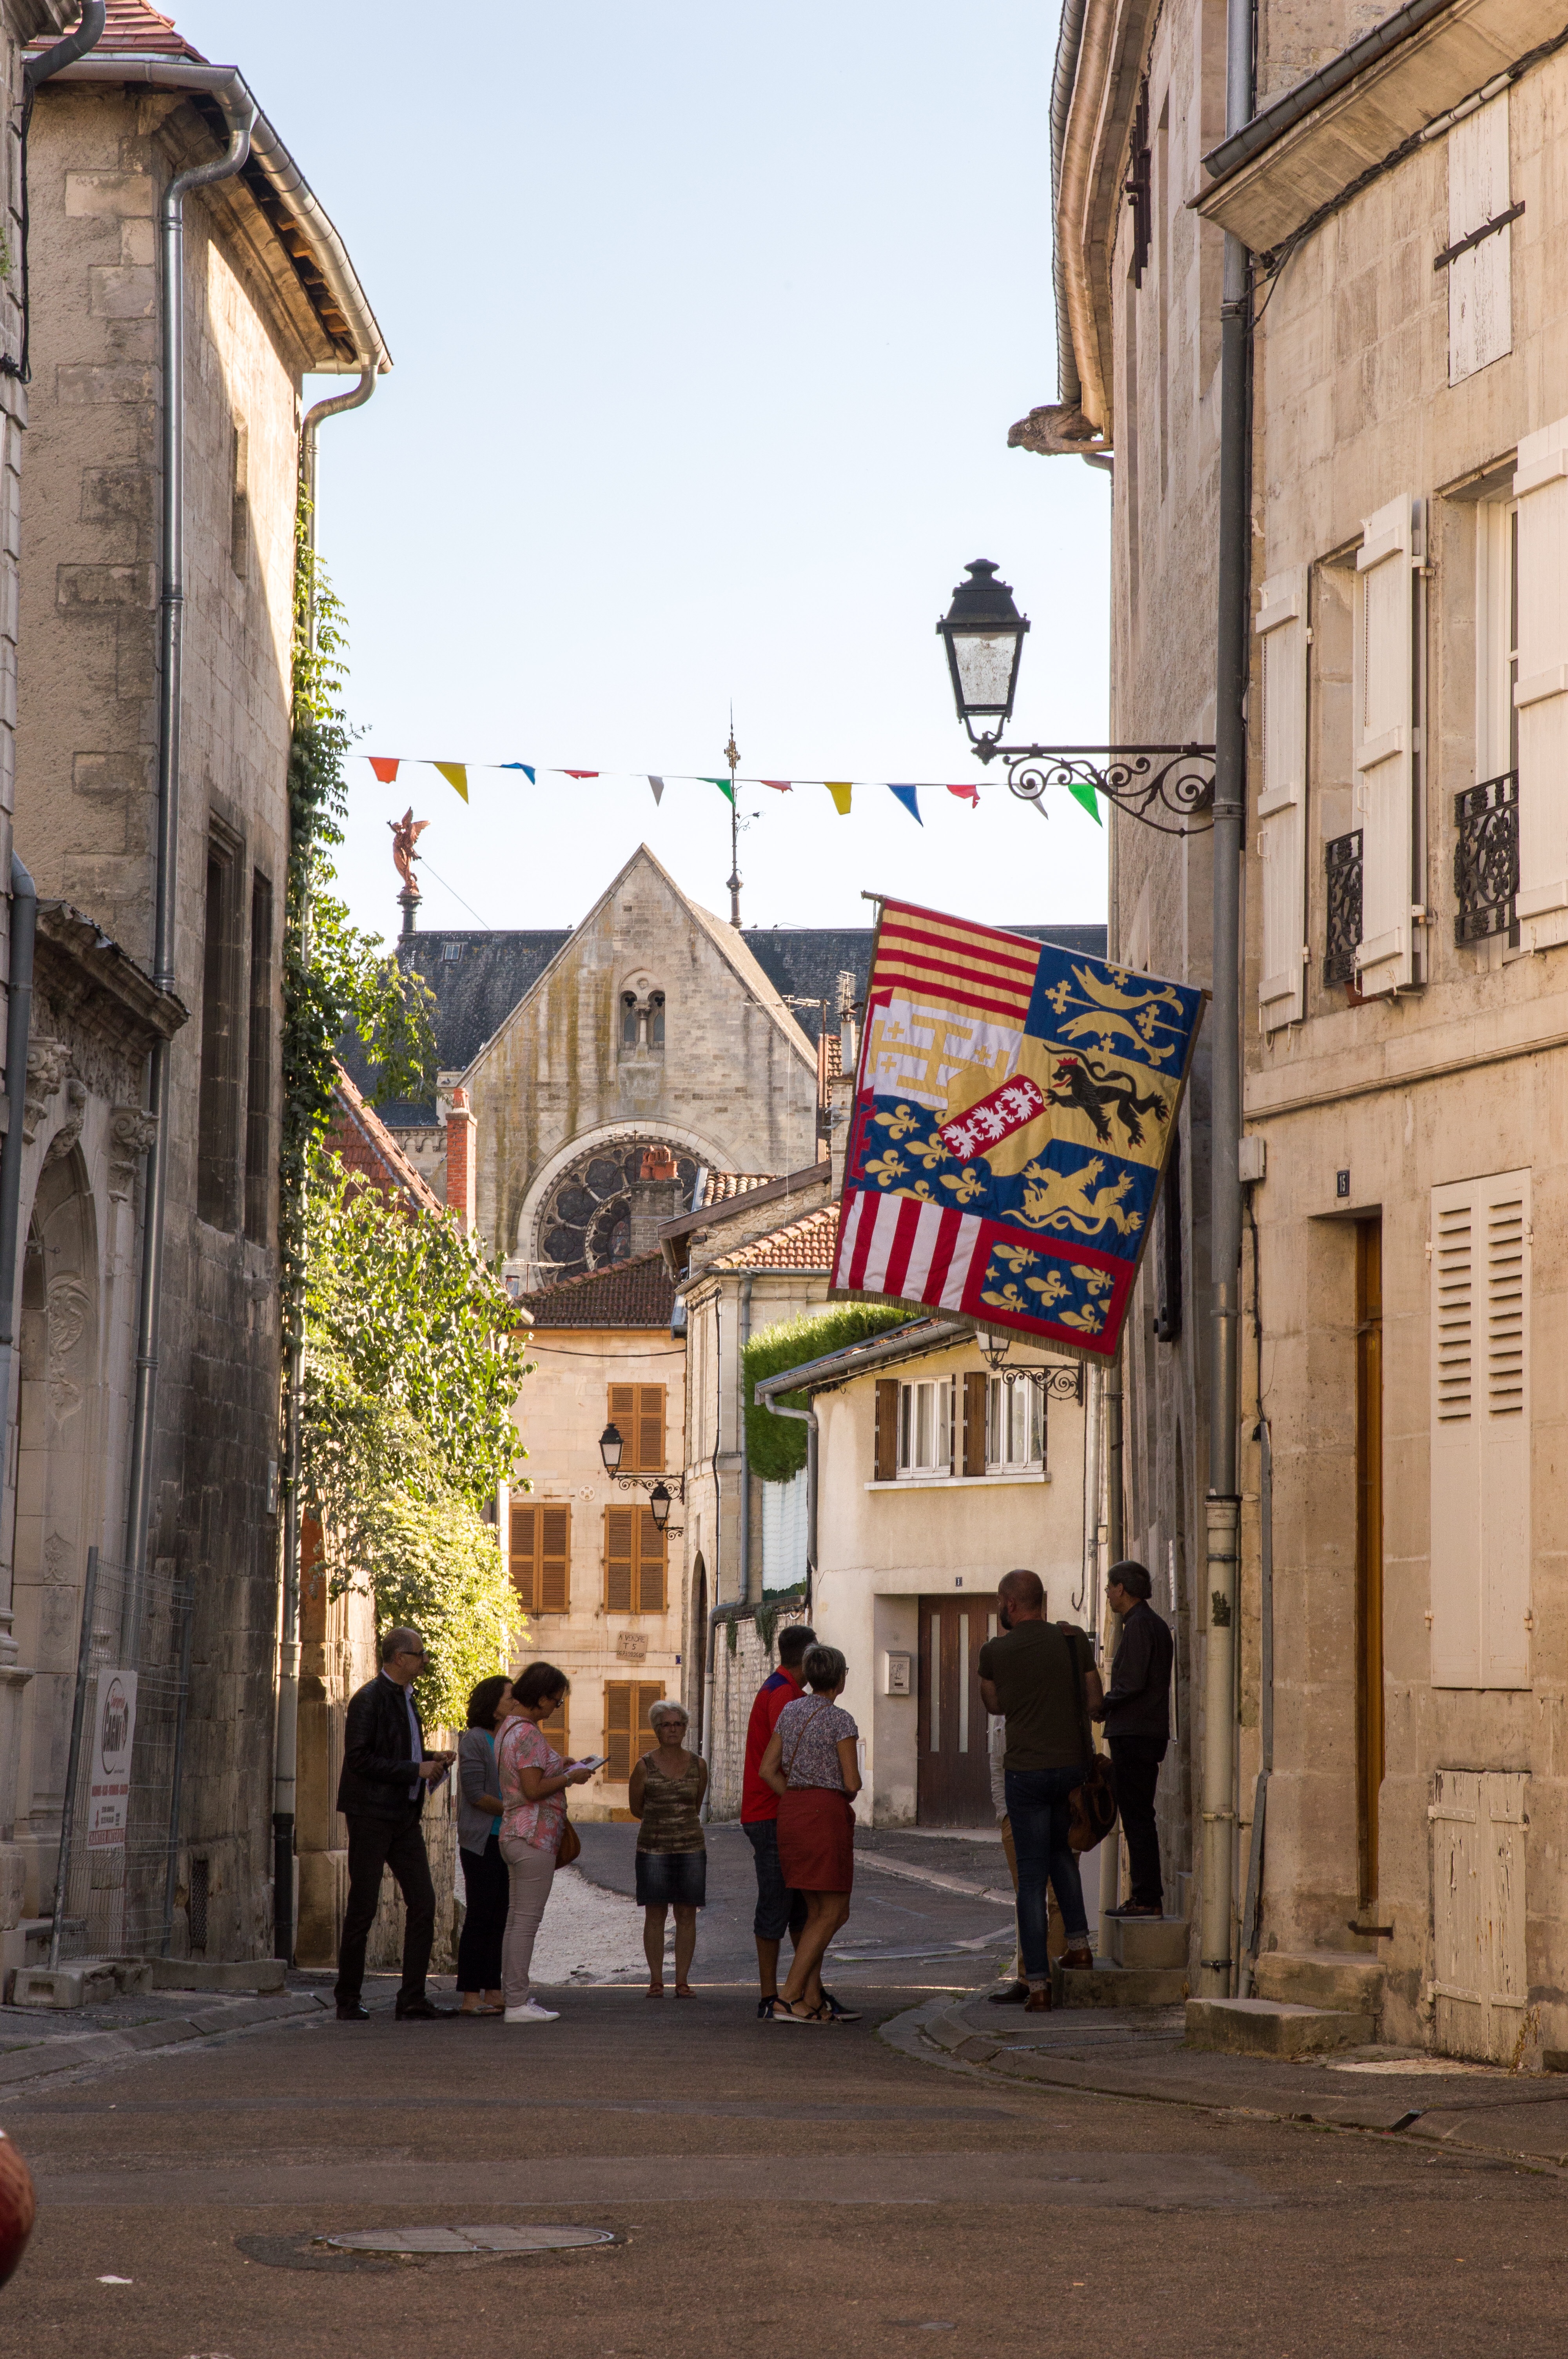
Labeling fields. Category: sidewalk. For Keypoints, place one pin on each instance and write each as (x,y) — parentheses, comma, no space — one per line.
(34,2042)
(1139,2053)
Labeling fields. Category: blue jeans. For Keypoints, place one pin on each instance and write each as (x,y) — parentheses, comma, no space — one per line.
(1038,1814)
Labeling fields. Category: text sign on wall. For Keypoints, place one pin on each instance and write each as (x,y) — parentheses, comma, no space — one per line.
(109,1777)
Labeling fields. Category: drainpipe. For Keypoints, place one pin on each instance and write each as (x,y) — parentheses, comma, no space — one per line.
(18,1028)
(746,1597)
(1222,1505)
(240,113)
(286,1750)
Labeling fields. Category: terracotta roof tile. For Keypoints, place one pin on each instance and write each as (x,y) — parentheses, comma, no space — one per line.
(370,1154)
(722,1185)
(638,1293)
(805,1243)
(132,28)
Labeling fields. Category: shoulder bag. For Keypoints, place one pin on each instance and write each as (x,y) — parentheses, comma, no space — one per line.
(1092,1805)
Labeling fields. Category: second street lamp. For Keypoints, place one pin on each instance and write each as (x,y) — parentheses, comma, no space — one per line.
(609,1448)
(983,632)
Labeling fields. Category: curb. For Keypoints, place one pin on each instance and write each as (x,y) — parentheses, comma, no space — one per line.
(43,2057)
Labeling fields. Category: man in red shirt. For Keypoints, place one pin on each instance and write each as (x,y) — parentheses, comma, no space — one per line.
(779,1910)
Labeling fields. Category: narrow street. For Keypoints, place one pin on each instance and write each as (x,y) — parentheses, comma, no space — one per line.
(759,2184)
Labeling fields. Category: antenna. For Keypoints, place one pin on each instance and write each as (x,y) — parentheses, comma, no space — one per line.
(732,756)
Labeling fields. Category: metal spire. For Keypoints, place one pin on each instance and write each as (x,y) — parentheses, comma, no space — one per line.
(732,756)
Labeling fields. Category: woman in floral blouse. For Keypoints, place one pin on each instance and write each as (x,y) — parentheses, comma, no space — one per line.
(534,1779)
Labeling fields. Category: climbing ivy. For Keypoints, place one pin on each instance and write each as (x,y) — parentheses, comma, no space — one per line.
(776,1446)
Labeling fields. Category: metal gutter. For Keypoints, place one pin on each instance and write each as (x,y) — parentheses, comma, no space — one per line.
(1263,129)
(1069,40)
(275,166)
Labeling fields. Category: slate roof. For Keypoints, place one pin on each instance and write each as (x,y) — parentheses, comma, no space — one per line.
(479,984)
(639,1293)
(806,1245)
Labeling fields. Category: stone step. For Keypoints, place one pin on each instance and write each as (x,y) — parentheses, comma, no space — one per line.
(1107,1984)
(1262,2027)
(1340,1979)
(1147,1941)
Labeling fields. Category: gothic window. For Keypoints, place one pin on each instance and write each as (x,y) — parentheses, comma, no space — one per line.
(642,1020)
(586,1219)
(628,1019)
(655,1019)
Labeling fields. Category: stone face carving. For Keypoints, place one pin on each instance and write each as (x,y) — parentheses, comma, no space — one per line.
(131,1131)
(69,1306)
(69,1131)
(49,1062)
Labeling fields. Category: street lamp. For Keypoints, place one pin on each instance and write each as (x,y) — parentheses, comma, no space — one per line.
(659,1505)
(609,1448)
(661,1497)
(994,1348)
(983,632)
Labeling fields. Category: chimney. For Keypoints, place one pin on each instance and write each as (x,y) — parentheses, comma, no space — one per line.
(656,1195)
(461,1161)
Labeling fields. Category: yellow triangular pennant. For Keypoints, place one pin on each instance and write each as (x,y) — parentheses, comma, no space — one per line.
(456,774)
(840,789)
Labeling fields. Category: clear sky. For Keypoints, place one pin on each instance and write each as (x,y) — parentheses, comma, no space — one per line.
(708,324)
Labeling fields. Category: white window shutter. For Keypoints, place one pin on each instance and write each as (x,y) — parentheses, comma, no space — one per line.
(1540,692)
(1480,1432)
(1480,298)
(1390,550)
(1281,624)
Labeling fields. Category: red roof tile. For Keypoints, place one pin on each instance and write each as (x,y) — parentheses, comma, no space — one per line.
(722,1185)
(638,1293)
(370,1154)
(805,1244)
(132,28)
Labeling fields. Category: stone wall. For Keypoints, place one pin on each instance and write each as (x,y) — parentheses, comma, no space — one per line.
(745,1651)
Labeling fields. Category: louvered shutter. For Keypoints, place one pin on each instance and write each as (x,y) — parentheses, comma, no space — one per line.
(975,1421)
(647,1694)
(553,1586)
(1480,304)
(1386,742)
(650,1428)
(619,1706)
(885,1463)
(522,1554)
(620,1544)
(650,1541)
(1541,693)
(623,1418)
(1281,626)
(1480,1432)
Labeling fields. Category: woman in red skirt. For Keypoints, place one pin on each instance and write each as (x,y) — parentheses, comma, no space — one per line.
(812,1766)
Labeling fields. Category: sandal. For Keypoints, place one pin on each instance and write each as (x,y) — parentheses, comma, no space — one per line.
(782,2010)
(683,1990)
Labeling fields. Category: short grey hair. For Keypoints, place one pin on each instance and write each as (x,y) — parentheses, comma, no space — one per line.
(668,1708)
(396,1640)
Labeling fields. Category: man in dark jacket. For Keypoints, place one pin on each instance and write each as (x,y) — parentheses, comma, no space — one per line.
(1137,1716)
(382,1793)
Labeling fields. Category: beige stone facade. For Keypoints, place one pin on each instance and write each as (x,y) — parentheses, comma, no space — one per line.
(1405,913)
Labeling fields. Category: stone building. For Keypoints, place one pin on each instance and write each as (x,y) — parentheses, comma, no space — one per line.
(1398,192)
(151,806)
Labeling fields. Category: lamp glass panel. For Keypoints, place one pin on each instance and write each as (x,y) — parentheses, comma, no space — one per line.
(985,662)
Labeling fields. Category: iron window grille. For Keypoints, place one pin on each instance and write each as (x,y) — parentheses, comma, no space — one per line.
(1485,859)
(1342,865)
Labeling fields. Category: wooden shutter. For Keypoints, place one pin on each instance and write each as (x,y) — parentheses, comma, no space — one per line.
(1479,1979)
(1540,692)
(975,1421)
(627,1736)
(620,1558)
(650,1428)
(1385,748)
(651,1562)
(1281,626)
(1480,294)
(623,1418)
(885,1465)
(647,1695)
(1480,1432)
(553,1586)
(524,1555)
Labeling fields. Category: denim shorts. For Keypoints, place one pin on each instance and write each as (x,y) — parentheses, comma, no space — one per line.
(779,1910)
(672,1879)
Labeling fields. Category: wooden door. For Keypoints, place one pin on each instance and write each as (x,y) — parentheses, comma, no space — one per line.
(953,1786)
(1369,1736)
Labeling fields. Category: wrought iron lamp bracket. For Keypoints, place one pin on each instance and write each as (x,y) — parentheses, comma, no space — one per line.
(674,1484)
(1139,779)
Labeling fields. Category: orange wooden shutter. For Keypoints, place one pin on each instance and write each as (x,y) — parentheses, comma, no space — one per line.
(623,1418)
(619,1702)
(651,1559)
(620,1544)
(553,1586)
(650,1428)
(648,1697)
(556,1730)
(885,1466)
(525,1541)
(975,1421)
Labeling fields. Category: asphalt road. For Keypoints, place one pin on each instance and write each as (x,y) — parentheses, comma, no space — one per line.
(767,2188)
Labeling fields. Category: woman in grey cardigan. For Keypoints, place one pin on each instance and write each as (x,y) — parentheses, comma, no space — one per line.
(485,1879)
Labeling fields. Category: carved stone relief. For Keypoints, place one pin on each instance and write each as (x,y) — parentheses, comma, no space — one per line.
(49,1062)
(131,1131)
(69,1306)
(69,1131)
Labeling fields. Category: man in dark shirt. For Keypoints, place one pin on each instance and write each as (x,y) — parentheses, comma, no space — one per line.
(1137,1716)
(1040,1677)
(386,1770)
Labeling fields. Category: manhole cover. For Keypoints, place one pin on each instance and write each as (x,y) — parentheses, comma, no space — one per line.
(544,2239)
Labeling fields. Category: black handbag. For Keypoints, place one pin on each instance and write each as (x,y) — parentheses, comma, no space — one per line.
(1093,1804)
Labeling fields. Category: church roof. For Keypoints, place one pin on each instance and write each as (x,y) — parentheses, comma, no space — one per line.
(804,1245)
(639,1293)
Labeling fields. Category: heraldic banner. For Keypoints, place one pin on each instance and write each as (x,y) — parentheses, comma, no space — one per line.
(1013,1110)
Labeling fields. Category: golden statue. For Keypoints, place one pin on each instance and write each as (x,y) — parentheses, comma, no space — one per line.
(406,834)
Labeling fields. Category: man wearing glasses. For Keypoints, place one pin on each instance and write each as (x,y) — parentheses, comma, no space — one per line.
(386,1772)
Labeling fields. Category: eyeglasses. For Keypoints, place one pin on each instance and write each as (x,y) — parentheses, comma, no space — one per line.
(412,1653)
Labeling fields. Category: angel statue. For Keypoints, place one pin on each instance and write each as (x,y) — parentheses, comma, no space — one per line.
(406,834)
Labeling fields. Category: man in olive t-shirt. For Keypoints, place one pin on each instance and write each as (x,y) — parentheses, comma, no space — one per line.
(1042,1677)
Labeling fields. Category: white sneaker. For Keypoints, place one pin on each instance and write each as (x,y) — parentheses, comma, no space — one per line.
(532,2012)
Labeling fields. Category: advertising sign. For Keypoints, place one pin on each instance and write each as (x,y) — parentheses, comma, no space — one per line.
(108,1773)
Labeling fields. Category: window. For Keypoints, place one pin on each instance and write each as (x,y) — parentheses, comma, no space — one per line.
(1015,1425)
(627,1736)
(1480,250)
(541,1556)
(258,1067)
(655,1019)
(240,504)
(635,1563)
(925,1428)
(1281,629)
(628,1019)
(1392,546)
(218,1109)
(1480,1248)
(1486,815)
(642,1020)
(1541,690)
(637,1413)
